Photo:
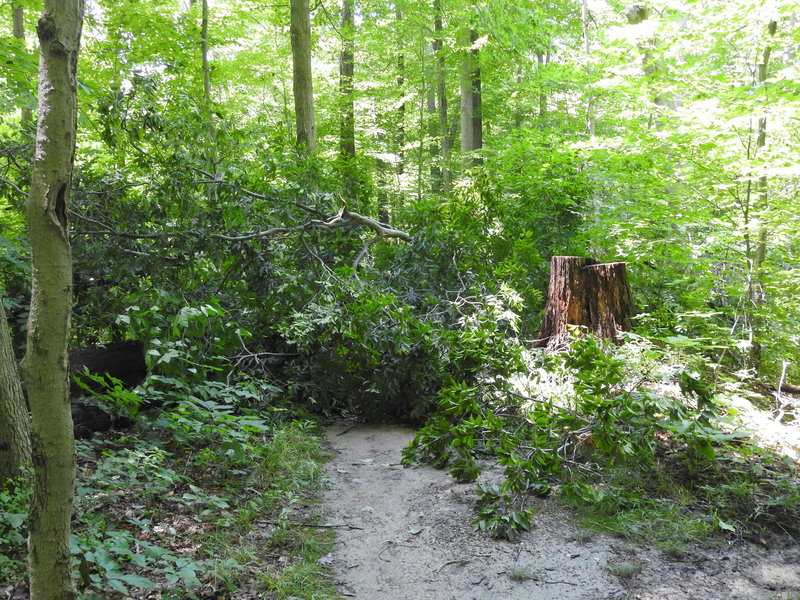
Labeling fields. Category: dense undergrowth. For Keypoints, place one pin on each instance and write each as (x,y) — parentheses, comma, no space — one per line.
(208,494)
(636,440)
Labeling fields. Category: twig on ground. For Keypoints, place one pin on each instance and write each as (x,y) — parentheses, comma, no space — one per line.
(458,561)
(314,525)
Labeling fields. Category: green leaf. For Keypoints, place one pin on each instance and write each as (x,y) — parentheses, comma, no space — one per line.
(118,586)
(726,526)
(15,520)
(138,581)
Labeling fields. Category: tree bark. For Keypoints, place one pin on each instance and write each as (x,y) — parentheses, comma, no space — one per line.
(441,97)
(585,293)
(18,30)
(347,126)
(204,53)
(302,83)
(756,284)
(15,439)
(45,364)
(471,111)
(400,136)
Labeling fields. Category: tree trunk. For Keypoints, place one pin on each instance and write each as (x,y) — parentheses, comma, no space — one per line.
(756,287)
(204,54)
(400,135)
(18,30)
(300,31)
(45,364)
(441,96)
(471,111)
(541,62)
(590,122)
(347,126)
(586,293)
(15,438)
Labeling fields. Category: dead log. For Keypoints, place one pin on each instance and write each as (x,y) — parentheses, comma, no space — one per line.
(121,360)
(586,293)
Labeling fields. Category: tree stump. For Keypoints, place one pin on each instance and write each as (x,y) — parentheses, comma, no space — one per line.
(587,293)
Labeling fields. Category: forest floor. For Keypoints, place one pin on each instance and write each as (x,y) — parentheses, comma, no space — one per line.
(404,534)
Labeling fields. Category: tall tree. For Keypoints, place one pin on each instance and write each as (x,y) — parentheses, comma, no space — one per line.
(441,94)
(204,53)
(18,30)
(347,125)
(15,441)
(45,364)
(302,81)
(758,255)
(471,109)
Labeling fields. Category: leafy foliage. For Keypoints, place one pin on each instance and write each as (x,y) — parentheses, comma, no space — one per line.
(622,450)
(195,229)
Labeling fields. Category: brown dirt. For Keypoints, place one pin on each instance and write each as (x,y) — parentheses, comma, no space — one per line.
(404,534)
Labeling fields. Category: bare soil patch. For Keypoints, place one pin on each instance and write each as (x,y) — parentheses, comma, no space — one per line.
(404,533)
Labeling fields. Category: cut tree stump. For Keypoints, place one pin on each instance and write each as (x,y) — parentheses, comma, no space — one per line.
(587,293)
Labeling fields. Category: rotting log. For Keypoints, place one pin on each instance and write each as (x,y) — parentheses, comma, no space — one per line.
(123,361)
(584,292)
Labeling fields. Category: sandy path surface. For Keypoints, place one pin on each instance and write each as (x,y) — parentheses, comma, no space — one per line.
(405,535)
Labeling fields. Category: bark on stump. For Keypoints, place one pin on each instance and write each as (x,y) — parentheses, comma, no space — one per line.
(587,293)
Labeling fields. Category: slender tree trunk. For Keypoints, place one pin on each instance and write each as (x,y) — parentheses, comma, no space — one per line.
(756,288)
(433,134)
(541,61)
(347,126)
(477,101)
(18,30)
(400,137)
(441,97)
(211,149)
(302,83)
(467,113)
(590,122)
(15,438)
(45,364)
(471,110)
(204,52)
(384,214)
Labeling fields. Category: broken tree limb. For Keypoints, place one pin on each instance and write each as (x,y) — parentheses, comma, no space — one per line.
(344,218)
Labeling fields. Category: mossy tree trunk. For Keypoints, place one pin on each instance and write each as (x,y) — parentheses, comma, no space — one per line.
(15,440)
(347,123)
(586,293)
(45,364)
(302,83)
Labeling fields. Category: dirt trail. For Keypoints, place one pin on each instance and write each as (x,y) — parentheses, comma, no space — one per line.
(406,536)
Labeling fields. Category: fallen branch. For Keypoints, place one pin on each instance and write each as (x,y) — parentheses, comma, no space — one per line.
(313,525)
(344,218)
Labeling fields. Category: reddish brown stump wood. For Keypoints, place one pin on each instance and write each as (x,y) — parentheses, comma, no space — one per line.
(587,293)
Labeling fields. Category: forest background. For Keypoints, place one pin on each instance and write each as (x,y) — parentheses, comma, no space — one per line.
(358,216)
